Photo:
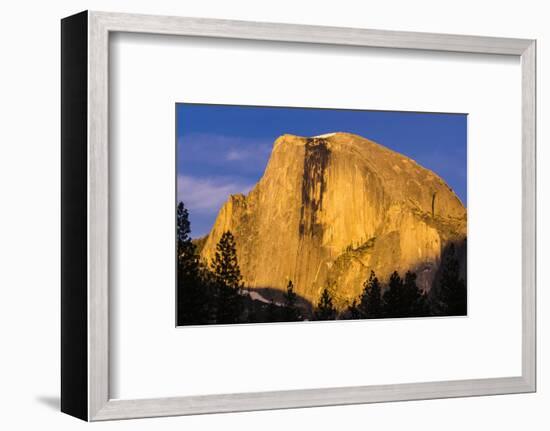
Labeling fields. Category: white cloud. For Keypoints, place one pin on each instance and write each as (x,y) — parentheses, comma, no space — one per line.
(208,194)
(246,153)
(233,155)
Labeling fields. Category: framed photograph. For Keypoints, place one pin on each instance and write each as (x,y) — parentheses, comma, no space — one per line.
(260,216)
(319,227)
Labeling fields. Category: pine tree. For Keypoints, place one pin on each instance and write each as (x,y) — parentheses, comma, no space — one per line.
(187,257)
(325,309)
(192,292)
(353,311)
(392,296)
(370,304)
(291,311)
(413,305)
(228,280)
(402,298)
(452,288)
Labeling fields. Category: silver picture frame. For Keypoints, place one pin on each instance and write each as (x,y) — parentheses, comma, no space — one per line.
(85,215)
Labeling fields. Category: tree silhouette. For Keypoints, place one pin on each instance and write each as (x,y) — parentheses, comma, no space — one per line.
(291,312)
(228,280)
(353,311)
(325,309)
(414,300)
(370,304)
(191,291)
(186,249)
(403,298)
(392,299)
(452,288)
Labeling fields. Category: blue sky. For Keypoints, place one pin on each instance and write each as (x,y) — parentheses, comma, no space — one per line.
(224,149)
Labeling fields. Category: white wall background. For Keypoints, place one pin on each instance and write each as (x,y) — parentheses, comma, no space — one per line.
(29,216)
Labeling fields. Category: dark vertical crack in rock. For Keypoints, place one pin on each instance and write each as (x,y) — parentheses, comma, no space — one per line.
(316,160)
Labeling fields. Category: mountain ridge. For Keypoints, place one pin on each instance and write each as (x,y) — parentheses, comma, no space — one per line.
(333,207)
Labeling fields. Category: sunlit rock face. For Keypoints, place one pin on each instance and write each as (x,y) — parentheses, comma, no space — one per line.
(330,209)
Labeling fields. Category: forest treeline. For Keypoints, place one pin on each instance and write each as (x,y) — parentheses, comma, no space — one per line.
(215,293)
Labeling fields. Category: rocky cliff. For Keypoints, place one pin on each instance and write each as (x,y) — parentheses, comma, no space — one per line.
(329,209)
